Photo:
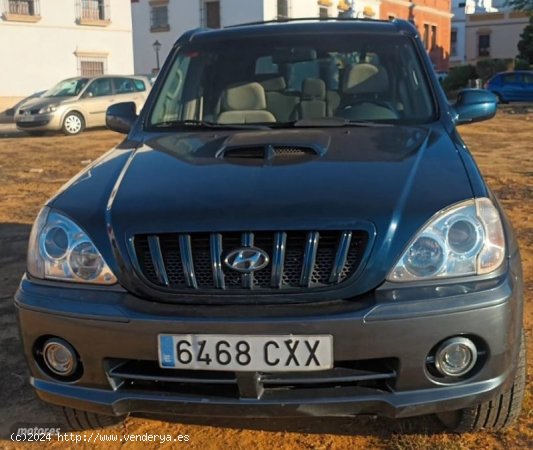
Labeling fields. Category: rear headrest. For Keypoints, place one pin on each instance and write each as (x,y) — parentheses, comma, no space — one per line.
(244,97)
(365,78)
(271,83)
(314,89)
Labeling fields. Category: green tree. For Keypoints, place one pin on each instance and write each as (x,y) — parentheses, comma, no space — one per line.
(525,44)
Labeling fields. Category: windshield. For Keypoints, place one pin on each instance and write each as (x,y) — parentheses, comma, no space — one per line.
(281,80)
(67,88)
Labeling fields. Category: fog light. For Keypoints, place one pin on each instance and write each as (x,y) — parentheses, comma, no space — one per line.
(456,356)
(60,357)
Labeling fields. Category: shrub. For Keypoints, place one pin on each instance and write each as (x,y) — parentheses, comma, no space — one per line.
(458,78)
(487,68)
(521,64)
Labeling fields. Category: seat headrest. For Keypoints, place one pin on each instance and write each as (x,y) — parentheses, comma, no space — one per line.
(244,97)
(314,89)
(365,78)
(273,83)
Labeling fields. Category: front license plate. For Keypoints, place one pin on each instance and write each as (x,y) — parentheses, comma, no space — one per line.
(279,353)
(27,119)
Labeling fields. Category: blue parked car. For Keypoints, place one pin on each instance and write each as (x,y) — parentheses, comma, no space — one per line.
(512,86)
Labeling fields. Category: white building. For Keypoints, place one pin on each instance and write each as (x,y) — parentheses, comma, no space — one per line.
(463,10)
(165,20)
(45,41)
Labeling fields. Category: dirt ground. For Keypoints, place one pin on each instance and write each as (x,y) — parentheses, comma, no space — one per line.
(32,169)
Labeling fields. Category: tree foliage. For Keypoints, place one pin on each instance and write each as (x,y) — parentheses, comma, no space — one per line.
(525,44)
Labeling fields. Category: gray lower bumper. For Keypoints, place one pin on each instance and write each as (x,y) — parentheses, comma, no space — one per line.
(105,324)
(399,404)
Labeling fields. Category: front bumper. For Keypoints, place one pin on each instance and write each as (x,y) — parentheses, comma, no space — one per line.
(107,326)
(40,122)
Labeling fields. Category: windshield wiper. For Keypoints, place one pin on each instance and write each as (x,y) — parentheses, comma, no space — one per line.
(171,124)
(331,122)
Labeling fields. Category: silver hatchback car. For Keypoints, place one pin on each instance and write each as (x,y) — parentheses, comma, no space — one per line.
(81,102)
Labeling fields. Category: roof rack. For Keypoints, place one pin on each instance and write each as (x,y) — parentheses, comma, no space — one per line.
(317,19)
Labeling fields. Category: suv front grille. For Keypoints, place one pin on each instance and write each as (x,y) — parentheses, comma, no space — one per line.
(297,259)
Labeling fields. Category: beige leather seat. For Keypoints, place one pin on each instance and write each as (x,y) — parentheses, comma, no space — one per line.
(279,102)
(244,103)
(313,104)
(365,78)
(363,87)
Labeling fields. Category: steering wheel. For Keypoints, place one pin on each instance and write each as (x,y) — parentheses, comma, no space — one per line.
(376,109)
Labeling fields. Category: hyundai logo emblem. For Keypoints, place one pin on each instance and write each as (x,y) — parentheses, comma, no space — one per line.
(246,259)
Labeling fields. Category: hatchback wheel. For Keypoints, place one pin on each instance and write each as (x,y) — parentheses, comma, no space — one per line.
(73,124)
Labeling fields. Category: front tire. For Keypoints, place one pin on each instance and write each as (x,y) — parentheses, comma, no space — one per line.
(73,124)
(497,414)
(77,420)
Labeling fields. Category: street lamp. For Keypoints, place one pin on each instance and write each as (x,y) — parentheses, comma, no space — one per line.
(157,47)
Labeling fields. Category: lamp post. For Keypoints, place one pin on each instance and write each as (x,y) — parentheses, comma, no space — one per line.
(157,47)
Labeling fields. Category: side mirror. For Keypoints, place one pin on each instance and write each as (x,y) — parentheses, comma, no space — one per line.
(475,105)
(120,117)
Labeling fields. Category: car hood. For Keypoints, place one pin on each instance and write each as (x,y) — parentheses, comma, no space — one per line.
(386,180)
(43,102)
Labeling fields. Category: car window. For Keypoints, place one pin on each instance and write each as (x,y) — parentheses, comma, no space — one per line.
(99,88)
(265,65)
(528,78)
(123,85)
(509,78)
(296,73)
(67,88)
(363,77)
(139,85)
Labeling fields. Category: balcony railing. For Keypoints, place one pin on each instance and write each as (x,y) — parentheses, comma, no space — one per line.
(93,12)
(22,10)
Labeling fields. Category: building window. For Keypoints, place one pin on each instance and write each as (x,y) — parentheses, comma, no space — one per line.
(283,9)
(453,44)
(22,7)
(483,45)
(324,13)
(159,17)
(425,36)
(91,67)
(22,10)
(93,12)
(433,37)
(211,14)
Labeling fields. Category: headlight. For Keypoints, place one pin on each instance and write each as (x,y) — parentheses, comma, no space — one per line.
(465,239)
(60,250)
(48,109)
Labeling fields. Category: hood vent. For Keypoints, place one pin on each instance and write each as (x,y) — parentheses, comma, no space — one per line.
(278,154)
